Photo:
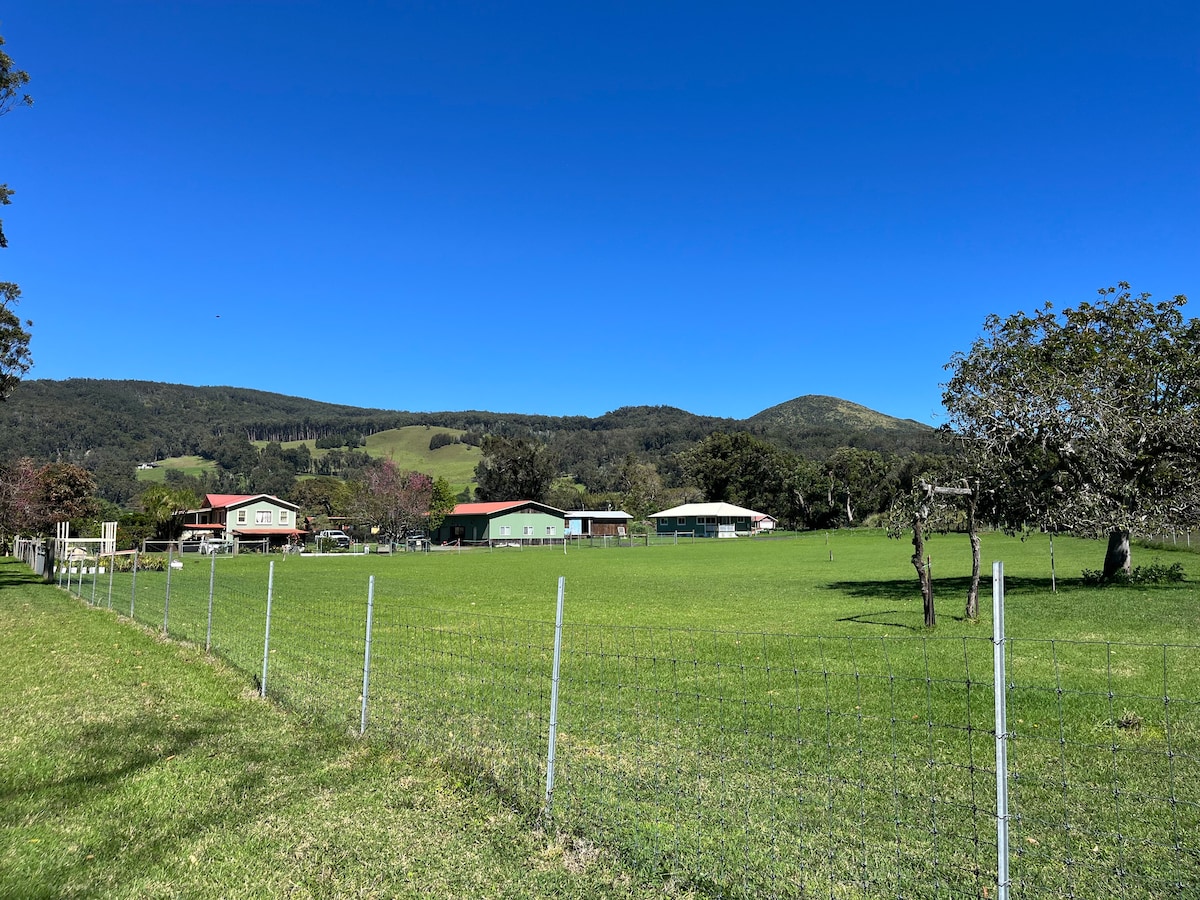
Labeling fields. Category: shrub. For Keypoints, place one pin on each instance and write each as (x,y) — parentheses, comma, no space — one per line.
(1155,573)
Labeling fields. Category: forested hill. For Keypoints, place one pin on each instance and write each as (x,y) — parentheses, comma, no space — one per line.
(80,419)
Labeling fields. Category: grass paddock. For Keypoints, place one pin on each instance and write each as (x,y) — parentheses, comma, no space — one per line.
(758,718)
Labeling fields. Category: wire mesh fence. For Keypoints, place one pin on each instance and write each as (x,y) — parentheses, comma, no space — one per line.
(743,764)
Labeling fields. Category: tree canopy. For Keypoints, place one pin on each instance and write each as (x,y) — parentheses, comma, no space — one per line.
(1086,420)
(514,468)
(15,358)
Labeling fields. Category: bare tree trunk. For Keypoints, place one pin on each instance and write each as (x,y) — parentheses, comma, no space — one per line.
(923,574)
(1117,558)
(973,531)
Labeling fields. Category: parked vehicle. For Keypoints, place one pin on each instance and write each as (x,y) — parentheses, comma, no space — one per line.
(216,545)
(333,537)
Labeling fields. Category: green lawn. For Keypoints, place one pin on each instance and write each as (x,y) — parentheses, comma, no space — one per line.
(748,718)
(133,767)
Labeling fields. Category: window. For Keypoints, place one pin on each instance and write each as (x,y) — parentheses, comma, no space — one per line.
(283,517)
(527,531)
(241,517)
(682,520)
(549,531)
(262,517)
(505,530)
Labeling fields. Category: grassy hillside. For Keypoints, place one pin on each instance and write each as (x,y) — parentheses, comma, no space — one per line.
(409,448)
(188,465)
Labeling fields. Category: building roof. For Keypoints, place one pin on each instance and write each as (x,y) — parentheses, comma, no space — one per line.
(728,510)
(229,501)
(498,506)
(615,515)
(264,532)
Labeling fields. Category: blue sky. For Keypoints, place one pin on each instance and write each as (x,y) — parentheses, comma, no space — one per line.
(547,209)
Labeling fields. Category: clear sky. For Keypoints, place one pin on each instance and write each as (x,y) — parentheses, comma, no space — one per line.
(566,208)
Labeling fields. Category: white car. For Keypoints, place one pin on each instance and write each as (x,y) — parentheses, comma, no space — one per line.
(335,537)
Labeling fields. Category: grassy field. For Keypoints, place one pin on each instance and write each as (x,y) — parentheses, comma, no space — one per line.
(763,718)
(134,767)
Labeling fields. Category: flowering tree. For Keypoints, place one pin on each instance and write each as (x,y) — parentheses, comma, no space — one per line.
(395,501)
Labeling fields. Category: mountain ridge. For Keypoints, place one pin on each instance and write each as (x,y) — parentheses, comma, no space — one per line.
(92,420)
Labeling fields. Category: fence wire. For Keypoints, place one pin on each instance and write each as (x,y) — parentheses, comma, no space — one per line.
(738,764)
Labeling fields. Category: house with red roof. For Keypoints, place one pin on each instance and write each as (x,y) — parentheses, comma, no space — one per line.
(501,522)
(246,517)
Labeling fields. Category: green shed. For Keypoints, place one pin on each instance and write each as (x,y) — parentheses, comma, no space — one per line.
(501,522)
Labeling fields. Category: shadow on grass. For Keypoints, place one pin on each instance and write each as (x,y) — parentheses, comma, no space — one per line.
(14,572)
(112,753)
(948,594)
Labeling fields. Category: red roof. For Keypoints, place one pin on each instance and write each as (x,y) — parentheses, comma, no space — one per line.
(486,509)
(224,501)
(498,506)
(266,531)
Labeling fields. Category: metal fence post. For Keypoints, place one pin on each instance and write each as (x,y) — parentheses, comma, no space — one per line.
(262,685)
(167,598)
(362,724)
(1000,691)
(112,568)
(95,576)
(558,623)
(133,593)
(212,579)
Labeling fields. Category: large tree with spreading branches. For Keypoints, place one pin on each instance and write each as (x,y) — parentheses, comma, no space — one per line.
(1086,420)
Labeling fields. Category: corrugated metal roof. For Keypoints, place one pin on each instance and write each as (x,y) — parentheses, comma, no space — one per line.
(485,509)
(228,501)
(706,509)
(497,506)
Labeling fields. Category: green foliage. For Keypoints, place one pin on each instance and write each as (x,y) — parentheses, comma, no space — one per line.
(441,502)
(12,84)
(15,359)
(323,496)
(161,502)
(1155,573)
(442,439)
(514,469)
(133,528)
(146,562)
(1088,420)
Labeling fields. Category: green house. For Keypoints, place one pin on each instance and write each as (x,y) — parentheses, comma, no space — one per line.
(709,520)
(508,521)
(242,517)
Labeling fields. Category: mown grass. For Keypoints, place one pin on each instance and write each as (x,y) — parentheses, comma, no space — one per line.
(763,718)
(134,767)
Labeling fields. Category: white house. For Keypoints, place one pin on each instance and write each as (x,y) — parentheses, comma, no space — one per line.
(708,519)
